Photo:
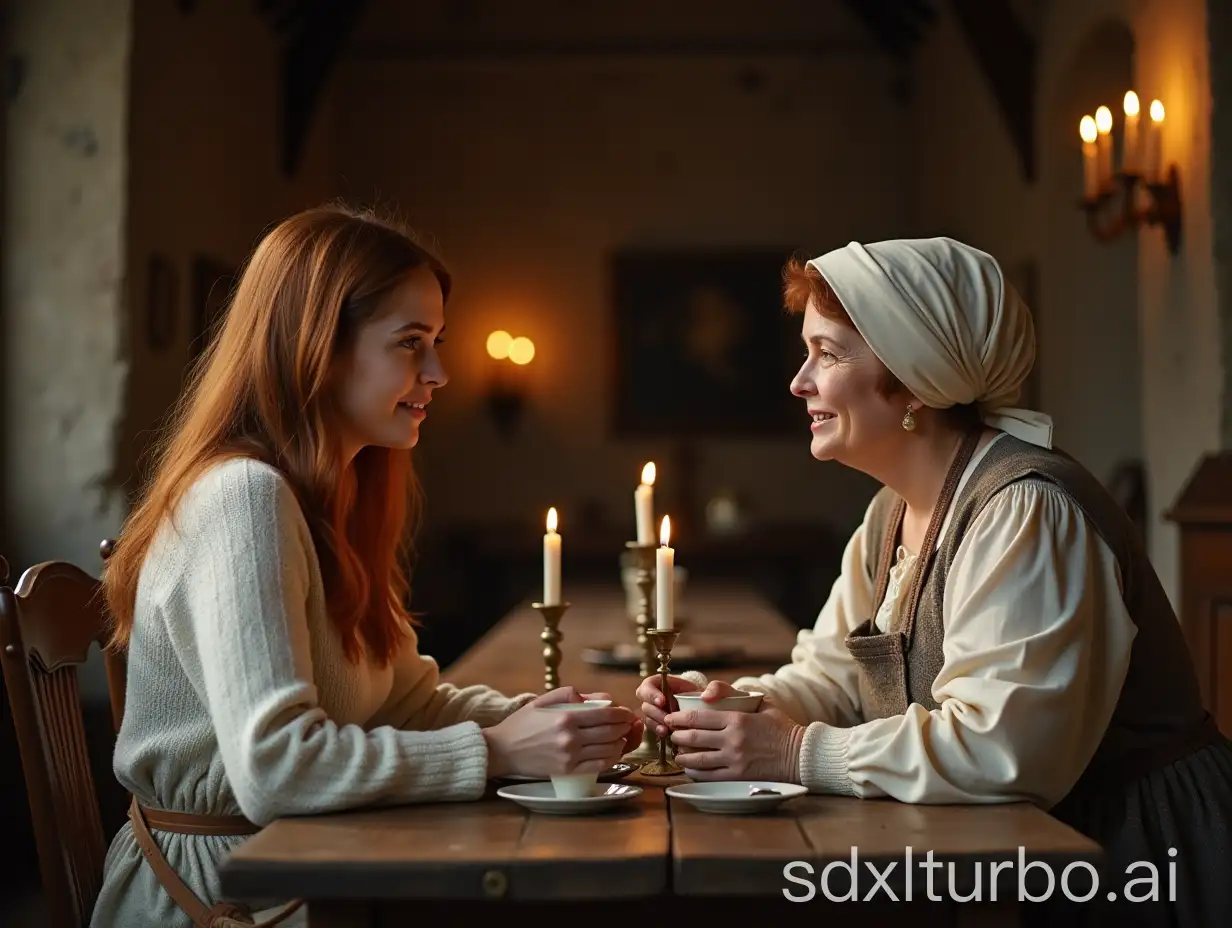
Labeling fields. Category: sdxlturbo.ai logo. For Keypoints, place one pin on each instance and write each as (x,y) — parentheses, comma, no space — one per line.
(965,882)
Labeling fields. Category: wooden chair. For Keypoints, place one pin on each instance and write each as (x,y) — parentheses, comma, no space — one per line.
(47,625)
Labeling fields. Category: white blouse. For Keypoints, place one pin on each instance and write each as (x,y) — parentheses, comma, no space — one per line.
(1037,646)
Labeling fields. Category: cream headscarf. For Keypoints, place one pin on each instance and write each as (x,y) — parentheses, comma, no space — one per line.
(941,316)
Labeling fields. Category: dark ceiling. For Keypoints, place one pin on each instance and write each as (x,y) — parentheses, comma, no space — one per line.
(314,33)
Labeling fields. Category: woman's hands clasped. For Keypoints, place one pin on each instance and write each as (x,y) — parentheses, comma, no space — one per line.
(715,745)
(531,742)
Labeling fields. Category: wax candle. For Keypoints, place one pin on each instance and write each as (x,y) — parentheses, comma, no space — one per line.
(1152,167)
(643,505)
(665,579)
(1103,125)
(1090,160)
(551,562)
(1130,160)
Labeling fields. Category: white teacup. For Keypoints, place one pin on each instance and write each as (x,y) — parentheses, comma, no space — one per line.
(745,702)
(576,785)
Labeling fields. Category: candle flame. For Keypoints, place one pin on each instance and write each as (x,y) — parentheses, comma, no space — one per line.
(665,532)
(648,474)
(1103,120)
(552,519)
(1131,103)
(1086,129)
(1157,111)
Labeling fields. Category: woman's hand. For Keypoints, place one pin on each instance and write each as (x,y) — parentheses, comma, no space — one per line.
(654,705)
(532,742)
(634,738)
(715,745)
(655,710)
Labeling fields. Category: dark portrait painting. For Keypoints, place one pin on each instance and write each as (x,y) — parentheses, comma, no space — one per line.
(703,345)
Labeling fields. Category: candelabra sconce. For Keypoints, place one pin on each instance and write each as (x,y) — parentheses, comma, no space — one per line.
(1112,213)
(505,407)
(507,393)
(1140,193)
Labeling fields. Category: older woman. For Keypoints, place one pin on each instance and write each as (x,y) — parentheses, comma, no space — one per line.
(997,632)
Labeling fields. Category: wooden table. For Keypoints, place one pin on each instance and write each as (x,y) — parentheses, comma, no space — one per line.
(391,866)
(510,656)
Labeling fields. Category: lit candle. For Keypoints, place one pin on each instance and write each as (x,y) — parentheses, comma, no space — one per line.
(643,504)
(1152,166)
(1090,162)
(1130,154)
(551,562)
(665,579)
(1103,124)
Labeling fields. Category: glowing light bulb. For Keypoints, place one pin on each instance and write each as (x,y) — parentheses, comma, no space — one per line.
(521,350)
(498,344)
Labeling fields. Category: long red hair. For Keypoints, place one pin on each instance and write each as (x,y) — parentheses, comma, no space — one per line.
(260,390)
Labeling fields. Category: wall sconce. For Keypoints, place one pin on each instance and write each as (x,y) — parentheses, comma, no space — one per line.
(507,390)
(1141,165)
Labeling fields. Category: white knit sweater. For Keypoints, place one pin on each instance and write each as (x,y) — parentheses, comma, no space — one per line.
(241,700)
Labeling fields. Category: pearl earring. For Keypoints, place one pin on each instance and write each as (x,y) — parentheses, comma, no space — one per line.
(909,420)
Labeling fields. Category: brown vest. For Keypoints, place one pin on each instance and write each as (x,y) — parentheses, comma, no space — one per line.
(1159,716)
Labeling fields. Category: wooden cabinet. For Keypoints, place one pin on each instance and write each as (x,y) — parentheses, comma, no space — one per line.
(1203,514)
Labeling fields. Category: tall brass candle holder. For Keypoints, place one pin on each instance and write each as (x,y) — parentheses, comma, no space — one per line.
(644,577)
(551,642)
(663,641)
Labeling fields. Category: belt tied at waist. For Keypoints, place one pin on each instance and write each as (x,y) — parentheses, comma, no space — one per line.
(221,915)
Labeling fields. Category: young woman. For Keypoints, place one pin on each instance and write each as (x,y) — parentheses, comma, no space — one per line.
(259,589)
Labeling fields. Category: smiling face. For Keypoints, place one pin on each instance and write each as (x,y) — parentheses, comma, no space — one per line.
(391,369)
(843,385)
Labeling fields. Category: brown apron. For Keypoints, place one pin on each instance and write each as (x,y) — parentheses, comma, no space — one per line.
(221,915)
(882,657)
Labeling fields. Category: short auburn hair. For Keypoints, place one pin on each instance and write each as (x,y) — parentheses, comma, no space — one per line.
(803,286)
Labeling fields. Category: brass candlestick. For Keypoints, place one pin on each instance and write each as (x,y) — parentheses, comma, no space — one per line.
(644,567)
(663,642)
(551,642)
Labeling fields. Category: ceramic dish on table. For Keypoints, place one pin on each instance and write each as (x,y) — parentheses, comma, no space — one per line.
(541,797)
(627,656)
(736,796)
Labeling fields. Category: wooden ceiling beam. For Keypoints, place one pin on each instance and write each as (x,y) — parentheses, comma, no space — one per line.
(314,34)
(899,26)
(1006,54)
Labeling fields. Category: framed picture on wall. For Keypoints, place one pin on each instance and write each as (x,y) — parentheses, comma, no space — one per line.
(703,347)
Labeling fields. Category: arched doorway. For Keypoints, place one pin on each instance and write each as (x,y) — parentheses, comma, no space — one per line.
(1089,331)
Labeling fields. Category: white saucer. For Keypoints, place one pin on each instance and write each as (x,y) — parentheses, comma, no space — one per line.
(541,797)
(733,796)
